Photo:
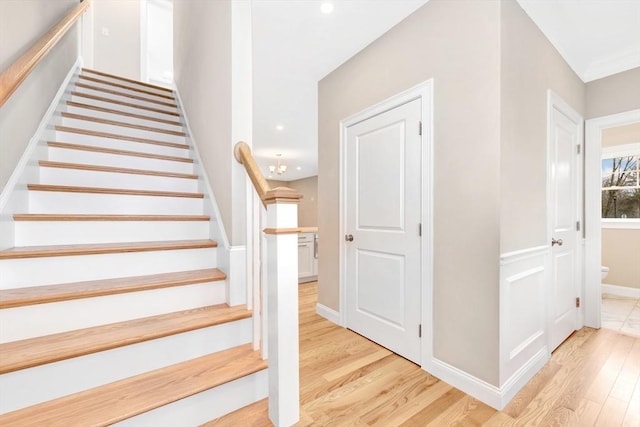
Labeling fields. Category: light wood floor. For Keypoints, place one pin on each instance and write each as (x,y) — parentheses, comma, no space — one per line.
(346,380)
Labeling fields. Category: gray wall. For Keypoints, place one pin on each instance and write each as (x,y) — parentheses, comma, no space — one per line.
(458,44)
(529,66)
(119,52)
(22,23)
(202,69)
(614,94)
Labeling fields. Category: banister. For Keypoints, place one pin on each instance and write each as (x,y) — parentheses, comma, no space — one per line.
(242,153)
(14,74)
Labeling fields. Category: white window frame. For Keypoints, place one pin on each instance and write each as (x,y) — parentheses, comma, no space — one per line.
(622,150)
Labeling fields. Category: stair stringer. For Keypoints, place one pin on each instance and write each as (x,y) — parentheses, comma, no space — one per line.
(231,259)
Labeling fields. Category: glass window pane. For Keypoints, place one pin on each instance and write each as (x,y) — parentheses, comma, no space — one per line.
(607,167)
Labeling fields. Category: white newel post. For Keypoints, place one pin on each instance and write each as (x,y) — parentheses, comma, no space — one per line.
(282,305)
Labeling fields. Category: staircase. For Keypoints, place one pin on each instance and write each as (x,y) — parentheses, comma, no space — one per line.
(112,309)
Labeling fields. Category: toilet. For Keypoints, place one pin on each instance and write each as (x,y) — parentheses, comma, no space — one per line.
(603,272)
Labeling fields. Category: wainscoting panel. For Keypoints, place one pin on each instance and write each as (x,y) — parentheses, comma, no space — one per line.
(523,328)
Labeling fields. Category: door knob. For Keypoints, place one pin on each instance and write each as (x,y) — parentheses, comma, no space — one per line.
(558,242)
(348,237)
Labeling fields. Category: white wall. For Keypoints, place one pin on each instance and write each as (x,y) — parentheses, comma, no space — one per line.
(21,24)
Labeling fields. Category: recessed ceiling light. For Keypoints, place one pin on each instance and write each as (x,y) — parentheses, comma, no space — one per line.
(279,127)
(326,7)
(299,168)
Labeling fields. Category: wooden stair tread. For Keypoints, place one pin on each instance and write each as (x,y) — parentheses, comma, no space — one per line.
(121,191)
(124,79)
(254,415)
(81,147)
(123,103)
(122,113)
(32,295)
(135,89)
(126,398)
(109,217)
(121,124)
(98,168)
(102,248)
(121,137)
(38,351)
(126,95)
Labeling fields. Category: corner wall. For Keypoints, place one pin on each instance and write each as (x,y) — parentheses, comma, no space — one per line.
(458,45)
(22,23)
(203,75)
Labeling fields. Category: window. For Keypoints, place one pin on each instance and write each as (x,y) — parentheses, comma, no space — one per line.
(621,182)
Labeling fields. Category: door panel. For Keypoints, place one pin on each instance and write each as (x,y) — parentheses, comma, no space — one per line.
(383,211)
(565,133)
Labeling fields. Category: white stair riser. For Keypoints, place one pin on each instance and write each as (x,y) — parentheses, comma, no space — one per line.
(203,407)
(42,233)
(123,118)
(35,385)
(122,130)
(90,178)
(148,93)
(162,105)
(124,108)
(31,321)
(122,82)
(120,144)
(84,203)
(17,273)
(68,155)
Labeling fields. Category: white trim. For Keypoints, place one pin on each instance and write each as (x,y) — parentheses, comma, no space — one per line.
(612,64)
(621,223)
(621,291)
(511,257)
(593,208)
(622,150)
(496,397)
(144,47)
(328,313)
(236,276)
(423,91)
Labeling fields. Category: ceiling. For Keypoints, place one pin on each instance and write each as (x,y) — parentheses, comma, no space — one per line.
(295,46)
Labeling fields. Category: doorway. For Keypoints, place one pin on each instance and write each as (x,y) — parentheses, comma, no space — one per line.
(386,218)
(593,209)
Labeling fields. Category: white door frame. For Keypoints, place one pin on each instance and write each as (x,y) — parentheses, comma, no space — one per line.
(593,209)
(423,91)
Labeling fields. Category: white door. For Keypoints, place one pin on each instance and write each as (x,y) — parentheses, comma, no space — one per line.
(383,211)
(565,136)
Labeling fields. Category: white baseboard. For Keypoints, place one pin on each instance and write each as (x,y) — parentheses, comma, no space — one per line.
(621,291)
(522,376)
(496,397)
(479,389)
(328,313)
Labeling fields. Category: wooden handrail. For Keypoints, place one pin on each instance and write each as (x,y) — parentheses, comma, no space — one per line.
(14,74)
(242,153)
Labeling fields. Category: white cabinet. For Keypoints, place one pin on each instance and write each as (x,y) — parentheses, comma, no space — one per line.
(307,257)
